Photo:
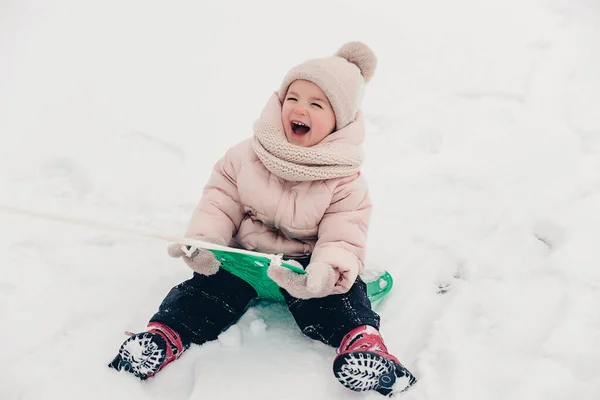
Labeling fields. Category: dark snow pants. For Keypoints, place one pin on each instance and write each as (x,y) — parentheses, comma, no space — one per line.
(202,307)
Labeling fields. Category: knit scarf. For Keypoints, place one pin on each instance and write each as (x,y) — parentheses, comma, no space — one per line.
(333,157)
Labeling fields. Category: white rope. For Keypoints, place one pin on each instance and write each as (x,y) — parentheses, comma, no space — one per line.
(12,210)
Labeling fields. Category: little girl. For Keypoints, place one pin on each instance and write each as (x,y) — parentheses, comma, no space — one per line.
(294,188)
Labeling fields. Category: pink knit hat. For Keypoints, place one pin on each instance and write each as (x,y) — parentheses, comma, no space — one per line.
(342,77)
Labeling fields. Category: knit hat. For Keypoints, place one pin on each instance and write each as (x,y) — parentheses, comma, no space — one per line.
(342,77)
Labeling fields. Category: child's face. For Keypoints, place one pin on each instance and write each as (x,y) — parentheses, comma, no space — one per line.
(306,114)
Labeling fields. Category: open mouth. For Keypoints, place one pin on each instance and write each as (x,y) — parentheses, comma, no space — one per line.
(300,128)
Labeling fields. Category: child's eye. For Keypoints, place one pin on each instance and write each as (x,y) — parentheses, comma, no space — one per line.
(316,104)
(291,98)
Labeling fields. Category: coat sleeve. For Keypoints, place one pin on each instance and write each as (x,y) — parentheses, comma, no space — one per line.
(343,229)
(219,213)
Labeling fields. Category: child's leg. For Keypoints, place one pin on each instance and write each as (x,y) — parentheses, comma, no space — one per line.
(195,311)
(348,323)
(202,307)
(329,318)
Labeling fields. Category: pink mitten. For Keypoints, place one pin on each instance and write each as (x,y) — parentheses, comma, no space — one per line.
(345,281)
(319,281)
(202,261)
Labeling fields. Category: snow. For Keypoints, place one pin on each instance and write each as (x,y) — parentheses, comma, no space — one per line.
(232,337)
(483,156)
(258,327)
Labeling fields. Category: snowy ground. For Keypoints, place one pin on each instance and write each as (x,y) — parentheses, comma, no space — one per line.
(483,155)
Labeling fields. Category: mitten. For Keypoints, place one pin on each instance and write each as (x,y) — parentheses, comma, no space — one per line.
(200,260)
(321,280)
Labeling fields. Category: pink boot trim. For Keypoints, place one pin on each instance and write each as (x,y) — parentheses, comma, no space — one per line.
(172,338)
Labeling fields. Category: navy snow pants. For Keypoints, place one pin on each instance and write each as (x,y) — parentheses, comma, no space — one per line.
(202,307)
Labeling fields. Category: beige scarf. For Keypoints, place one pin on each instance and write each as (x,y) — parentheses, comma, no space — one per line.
(333,157)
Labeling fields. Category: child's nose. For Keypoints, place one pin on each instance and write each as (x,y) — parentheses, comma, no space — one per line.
(300,110)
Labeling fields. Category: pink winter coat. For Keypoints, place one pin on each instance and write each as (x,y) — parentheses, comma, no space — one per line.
(247,206)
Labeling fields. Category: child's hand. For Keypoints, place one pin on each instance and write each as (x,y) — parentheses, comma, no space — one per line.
(321,280)
(202,261)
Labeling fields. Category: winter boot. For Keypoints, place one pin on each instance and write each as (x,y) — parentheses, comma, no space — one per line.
(363,363)
(146,353)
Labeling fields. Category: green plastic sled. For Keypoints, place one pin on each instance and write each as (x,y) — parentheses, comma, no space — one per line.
(252,267)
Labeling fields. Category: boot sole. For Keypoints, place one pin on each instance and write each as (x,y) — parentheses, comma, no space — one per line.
(141,356)
(365,370)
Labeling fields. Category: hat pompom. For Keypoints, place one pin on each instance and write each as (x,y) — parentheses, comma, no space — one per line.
(360,55)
